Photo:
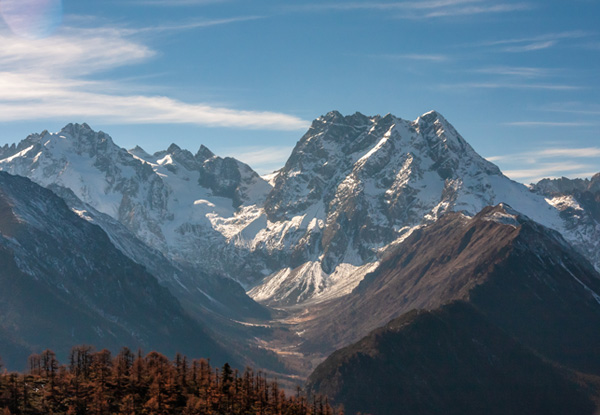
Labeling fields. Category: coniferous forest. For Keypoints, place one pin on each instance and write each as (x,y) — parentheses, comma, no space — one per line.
(96,383)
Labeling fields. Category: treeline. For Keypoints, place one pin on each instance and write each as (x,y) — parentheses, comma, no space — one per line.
(95,383)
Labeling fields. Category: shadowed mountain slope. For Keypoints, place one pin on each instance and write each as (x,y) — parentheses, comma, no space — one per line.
(448,361)
(520,275)
(62,283)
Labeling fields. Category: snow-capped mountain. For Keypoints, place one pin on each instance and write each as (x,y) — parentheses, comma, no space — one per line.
(578,201)
(352,186)
(146,207)
(356,184)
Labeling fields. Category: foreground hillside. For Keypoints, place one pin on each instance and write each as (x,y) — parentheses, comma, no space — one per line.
(450,361)
(493,314)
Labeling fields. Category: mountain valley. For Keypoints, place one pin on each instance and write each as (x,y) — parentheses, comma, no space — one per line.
(370,219)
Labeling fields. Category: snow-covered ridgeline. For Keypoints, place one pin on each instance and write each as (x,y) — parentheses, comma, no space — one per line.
(352,186)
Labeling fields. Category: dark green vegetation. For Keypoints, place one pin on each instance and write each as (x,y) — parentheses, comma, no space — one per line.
(512,325)
(95,383)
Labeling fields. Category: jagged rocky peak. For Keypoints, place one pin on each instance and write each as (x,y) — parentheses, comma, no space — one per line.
(229,177)
(565,186)
(75,129)
(84,139)
(561,186)
(356,147)
(204,153)
(180,156)
(139,152)
(595,183)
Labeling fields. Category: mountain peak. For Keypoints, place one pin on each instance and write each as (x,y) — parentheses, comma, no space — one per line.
(332,115)
(74,129)
(204,153)
(173,148)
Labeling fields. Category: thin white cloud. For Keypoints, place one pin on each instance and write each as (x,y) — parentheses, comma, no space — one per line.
(53,78)
(548,124)
(506,85)
(263,159)
(551,170)
(75,52)
(533,43)
(518,71)
(571,152)
(398,5)
(531,46)
(420,9)
(177,2)
(549,162)
(195,24)
(425,57)
(540,38)
(473,10)
(572,108)
(262,155)
(549,153)
(25,97)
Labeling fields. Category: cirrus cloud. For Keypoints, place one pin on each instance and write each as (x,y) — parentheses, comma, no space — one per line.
(55,78)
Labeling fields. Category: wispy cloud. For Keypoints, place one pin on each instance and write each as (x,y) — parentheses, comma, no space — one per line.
(530,46)
(413,57)
(75,52)
(572,108)
(421,9)
(54,78)
(549,124)
(176,2)
(549,153)
(571,152)
(533,43)
(398,5)
(507,85)
(539,38)
(473,10)
(517,71)
(198,24)
(267,159)
(549,162)
(549,170)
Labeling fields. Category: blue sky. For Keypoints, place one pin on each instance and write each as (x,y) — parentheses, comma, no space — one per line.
(518,79)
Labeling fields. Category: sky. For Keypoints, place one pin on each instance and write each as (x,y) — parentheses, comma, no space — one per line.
(518,79)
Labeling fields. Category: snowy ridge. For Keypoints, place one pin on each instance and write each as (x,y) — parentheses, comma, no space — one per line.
(352,186)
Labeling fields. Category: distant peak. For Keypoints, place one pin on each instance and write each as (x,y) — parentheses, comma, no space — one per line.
(430,117)
(173,148)
(333,114)
(138,148)
(204,153)
(73,127)
(139,152)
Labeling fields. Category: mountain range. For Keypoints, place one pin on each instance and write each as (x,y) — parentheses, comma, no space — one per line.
(371,217)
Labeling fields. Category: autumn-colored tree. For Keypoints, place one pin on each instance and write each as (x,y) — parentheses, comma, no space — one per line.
(96,384)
